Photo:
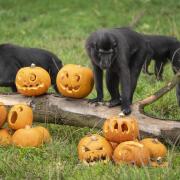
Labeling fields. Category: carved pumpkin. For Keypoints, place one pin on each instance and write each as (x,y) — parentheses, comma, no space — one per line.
(156,148)
(120,129)
(94,148)
(75,81)
(46,137)
(27,137)
(3,114)
(5,137)
(32,81)
(19,116)
(131,152)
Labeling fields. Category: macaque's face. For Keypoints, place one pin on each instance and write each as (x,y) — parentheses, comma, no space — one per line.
(105,48)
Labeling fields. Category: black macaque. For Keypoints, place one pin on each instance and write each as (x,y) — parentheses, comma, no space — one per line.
(162,49)
(122,53)
(13,57)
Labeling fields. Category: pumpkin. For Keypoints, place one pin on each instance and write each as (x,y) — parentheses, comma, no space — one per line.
(27,137)
(46,137)
(19,116)
(32,81)
(75,81)
(3,114)
(5,137)
(120,129)
(155,147)
(131,152)
(93,148)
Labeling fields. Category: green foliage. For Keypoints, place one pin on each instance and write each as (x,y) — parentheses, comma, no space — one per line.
(62,27)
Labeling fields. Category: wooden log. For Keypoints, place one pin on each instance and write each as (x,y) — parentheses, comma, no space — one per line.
(51,108)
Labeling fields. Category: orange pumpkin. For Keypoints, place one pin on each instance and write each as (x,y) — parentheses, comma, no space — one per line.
(75,81)
(5,137)
(155,147)
(120,129)
(32,81)
(46,137)
(27,137)
(19,116)
(3,114)
(131,152)
(92,148)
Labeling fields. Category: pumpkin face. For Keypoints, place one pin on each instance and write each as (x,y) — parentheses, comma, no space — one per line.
(32,81)
(3,114)
(46,137)
(19,116)
(27,137)
(5,137)
(155,147)
(75,81)
(120,129)
(94,148)
(131,152)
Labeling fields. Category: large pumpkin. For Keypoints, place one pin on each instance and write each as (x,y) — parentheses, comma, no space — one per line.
(27,137)
(75,81)
(119,129)
(131,152)
(32,81)
(3,114)
(155,147)
(5,137)
(19,116)
(94,148)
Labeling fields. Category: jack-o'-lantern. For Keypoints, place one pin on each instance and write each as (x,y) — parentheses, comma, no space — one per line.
(3,114)
(120,129)
(75,81)
(155,147)
(27,137)
(93,148)
(5,137)
(46,137)
(32,81)
(19,116)
(131,152)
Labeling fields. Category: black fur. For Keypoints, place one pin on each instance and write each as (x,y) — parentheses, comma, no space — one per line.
(162,49)
(122,52)
(13,57)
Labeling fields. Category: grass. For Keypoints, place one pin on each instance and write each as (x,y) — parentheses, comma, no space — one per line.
(62,27)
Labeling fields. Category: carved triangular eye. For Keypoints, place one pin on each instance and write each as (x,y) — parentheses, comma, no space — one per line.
(124,127)
(86,149)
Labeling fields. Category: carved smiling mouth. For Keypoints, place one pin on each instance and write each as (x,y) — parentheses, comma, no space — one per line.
(71,89)
(30,87)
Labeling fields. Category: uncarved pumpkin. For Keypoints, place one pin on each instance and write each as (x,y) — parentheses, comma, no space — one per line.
(27,137)
(131,152)
(19,116)
(75,81)
(46,137)
(3,114)
(5,137)
(155,147)
(32,81)
(119,129)
(92,148)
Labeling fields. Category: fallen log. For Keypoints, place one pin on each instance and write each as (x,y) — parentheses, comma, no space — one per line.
(51,108)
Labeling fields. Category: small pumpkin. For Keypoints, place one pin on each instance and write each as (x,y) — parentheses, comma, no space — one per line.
(32,81)
(27,137)
(5,137)
(131,152)
(119,129)
(3,114)
(46,137)
(75,81)
(93,148)
(155,147)
(19,116)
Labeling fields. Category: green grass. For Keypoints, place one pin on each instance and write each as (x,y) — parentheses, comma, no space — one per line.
(62,27)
